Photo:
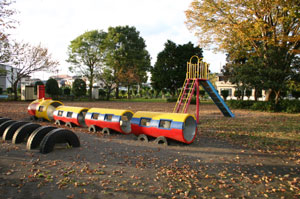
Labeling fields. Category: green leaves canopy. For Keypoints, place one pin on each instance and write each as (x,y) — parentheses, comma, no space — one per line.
(86,55)
(169,71)
(126,55)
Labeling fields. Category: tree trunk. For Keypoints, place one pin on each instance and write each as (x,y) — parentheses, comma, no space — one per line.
(277,95)
(117,91)
(91,88)
(108,94)
(15,87)
(255,95)
(128,92)
(268,95)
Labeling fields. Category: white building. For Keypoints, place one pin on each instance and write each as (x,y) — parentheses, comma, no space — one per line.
(221,84)
(7,75)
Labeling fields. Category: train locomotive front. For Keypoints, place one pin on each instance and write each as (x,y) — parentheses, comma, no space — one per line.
(43,108)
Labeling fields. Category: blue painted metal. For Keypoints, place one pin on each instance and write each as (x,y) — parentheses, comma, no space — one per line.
(213,93)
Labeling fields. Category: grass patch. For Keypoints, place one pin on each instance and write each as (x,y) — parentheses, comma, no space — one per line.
(279,133)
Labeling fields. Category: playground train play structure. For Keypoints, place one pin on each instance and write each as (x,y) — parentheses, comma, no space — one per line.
(181,127)
(161,127)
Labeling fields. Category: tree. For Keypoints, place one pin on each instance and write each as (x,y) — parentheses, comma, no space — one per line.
(26,59)
(108,81)
(86,55)
(6,23)
(265,29)
(36,85)
(169,71)
(79,87)
(52,87)
(127,56)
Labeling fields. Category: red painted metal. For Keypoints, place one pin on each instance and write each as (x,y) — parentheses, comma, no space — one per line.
(102,124)
(191,96)
(32,108)
(41,91)
(67,119)
(197,101)
(175,134)
(182,96)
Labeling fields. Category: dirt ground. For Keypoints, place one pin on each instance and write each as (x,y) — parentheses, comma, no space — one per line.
(118,166)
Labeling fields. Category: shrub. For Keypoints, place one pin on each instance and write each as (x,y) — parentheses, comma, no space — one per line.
(248,93)
(225,94)
(9,90)
(296,94)
(288,106)
(238,94)
(67,91)
(79,87)
(52,87)
(1,91)
(202,93)
(102,93)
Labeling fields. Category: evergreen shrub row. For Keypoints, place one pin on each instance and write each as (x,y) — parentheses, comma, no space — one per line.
(288,106)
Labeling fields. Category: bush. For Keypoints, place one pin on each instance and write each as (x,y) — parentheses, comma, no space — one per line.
(79,87)
(102,93)
(9,90)
(296,94)
(201,93)
(248,93)
(67,91)
(52,87)
(288,106)
(238,94)
(1,91)
(225,94)
(172,100)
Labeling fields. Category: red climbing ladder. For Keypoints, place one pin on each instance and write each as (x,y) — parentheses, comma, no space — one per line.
(197,74)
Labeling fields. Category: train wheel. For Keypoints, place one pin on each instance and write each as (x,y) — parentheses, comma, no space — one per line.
(57,122)
(143,138)
(106,131)
(161,140)
(92,128)
(69,124)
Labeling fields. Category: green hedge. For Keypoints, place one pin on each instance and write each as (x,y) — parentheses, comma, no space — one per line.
(288,106)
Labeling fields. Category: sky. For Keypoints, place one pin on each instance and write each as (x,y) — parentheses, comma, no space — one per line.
(54,23)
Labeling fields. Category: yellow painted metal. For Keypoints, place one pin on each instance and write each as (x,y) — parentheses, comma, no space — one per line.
(71,109)
(197,70)
(181,92)
(176,117)
(44,105)
(109,111)
(189,95)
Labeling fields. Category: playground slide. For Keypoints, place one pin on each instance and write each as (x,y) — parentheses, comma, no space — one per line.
(213,93)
